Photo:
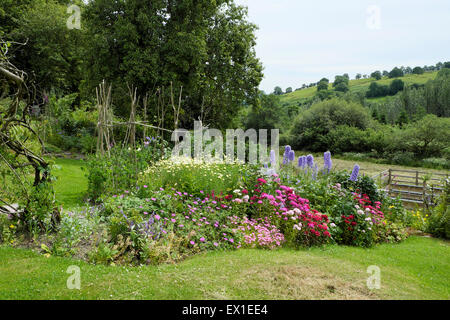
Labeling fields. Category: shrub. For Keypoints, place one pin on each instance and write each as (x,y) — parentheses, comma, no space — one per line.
(439,222)
(363,185)
(120,170)
(311,127)
(426,137)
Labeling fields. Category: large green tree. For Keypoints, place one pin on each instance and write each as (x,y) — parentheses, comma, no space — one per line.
(206,47)
(51,52)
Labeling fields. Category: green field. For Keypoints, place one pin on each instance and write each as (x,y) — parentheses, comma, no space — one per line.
(356,86)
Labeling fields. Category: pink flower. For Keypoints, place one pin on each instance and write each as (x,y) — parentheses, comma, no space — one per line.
(173,220)
(145,186)
(216,244)
(192,242)
(202,239)
(157,217)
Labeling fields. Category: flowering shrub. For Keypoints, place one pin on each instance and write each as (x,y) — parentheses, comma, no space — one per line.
(291,213)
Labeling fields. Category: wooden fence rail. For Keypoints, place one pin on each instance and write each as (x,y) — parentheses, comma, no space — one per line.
(413,187)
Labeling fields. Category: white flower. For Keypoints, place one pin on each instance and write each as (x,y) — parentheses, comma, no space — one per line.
(298,226)
(290,212)
(367,219)
(297,210)
(332,225)
(245,198)
(356,206)
(360,212)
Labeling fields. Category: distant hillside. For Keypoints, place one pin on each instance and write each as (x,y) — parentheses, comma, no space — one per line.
(360,85)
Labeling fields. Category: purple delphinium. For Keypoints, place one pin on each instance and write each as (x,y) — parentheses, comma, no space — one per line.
(287,150)
(300,162)
(291,155)
(355,173)
(303,161)
(327,163)
(310,160)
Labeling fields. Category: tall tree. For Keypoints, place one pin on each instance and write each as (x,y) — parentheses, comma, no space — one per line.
(206,47)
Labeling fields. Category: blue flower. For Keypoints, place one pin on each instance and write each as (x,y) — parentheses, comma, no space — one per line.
(327,163)
(310,160)
(355,173)
(291,155)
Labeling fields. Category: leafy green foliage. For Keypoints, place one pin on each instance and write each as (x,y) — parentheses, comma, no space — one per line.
(311,127)
(120,171)
(205,47)
(439,222)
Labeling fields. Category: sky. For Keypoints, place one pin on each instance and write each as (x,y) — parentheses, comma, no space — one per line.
(302,41)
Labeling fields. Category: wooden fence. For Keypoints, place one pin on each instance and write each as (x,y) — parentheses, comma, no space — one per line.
(413,187)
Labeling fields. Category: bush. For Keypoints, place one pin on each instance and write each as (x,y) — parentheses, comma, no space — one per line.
(310,129)
(120,170)
(439,222)
(363,185)
(426,137)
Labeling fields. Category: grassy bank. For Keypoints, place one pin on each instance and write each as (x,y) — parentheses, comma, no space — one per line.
(415,269)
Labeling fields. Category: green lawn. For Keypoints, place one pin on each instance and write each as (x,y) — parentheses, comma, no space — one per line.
(71,183)
(415,269)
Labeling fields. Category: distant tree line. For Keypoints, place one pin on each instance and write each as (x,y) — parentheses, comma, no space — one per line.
(396,72)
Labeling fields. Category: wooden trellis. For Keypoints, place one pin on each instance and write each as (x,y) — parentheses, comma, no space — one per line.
(106,122)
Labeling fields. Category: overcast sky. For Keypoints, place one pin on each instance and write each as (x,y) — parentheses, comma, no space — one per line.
(302,41)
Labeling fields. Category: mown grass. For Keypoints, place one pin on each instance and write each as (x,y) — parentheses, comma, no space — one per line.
(415,269)
(361,85)
(71,182)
